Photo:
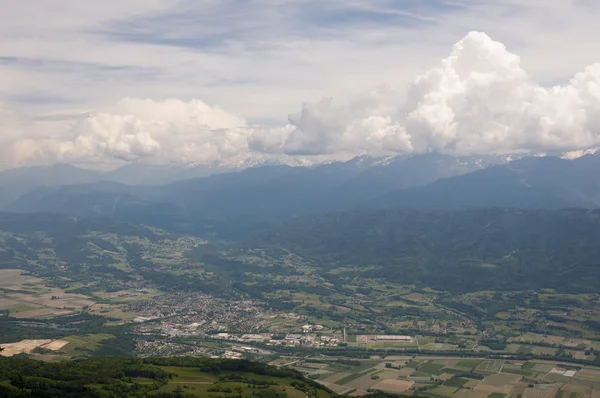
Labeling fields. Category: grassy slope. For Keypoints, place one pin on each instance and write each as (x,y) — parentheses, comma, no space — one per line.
(138,377)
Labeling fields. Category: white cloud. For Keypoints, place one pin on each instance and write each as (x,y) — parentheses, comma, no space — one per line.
(194,113)
(361,127)
(124,137)
(16,147)
(481,100)
(171,130)
(477,100)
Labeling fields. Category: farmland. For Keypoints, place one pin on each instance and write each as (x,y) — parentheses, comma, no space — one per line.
(455,377)
(28,346)
(26,296)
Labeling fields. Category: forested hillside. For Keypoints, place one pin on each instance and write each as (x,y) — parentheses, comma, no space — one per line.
(461,251)
(175,377)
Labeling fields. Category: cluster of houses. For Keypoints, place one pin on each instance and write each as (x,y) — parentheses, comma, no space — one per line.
(306,338)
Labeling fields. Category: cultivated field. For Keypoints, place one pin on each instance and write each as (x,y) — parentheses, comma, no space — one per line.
(455,377)
(27,346)
(30,297)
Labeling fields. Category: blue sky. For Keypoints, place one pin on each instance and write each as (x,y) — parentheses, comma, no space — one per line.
(260,60)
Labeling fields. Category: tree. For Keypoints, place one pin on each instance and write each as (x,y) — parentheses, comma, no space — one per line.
(18,381)
(178,391)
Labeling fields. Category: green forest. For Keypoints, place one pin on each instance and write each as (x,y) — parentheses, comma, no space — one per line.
(159,377)
(498,249)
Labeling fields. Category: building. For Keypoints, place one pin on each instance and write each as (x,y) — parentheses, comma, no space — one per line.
(391,338)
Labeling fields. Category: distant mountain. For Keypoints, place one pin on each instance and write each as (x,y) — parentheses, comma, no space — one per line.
(154,174)
(235,203)
(397,173)
(19,181)
(249,199)
(161,174)
(295,191)
(146,174)
(387,173)
(533,182)
(16,182)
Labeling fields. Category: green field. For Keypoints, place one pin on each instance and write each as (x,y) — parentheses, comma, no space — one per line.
(490,366)
(84,345)
(456,382)
(349,378)
(22,308)
(497,378)
(468,363)
(431,368)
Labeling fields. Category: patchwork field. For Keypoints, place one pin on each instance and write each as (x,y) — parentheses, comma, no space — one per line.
(490,366)
(500,383)
(463,378)
(27,346)
(396,386)
(26,296)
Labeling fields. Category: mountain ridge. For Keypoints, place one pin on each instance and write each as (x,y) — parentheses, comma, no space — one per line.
(268,193)
(233,204)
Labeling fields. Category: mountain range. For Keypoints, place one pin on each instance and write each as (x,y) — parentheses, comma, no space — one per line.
(19,181)
(253,197)
(532,182)
(231,204)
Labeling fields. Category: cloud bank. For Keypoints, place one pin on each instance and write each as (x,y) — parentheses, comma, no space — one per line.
(477,100)
(480,100)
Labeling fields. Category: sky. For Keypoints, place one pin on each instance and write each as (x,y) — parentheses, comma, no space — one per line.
(182,81)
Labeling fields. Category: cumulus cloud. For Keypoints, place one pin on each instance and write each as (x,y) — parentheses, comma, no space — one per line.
(477,100)
(320,128)
(481,100)
(366,125)
(15,146)
(170,129)
(133,129)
